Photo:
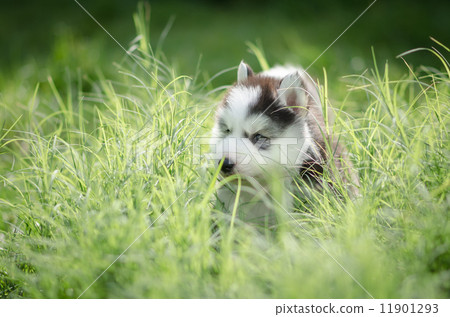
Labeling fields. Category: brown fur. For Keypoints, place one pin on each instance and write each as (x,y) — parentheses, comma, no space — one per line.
(313,169)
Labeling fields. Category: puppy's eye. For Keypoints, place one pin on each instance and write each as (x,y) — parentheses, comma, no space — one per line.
(259,138)
(227,131)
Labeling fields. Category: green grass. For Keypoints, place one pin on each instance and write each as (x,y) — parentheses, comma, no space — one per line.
(88,164)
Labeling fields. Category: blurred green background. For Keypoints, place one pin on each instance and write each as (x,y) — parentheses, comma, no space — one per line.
(58,34)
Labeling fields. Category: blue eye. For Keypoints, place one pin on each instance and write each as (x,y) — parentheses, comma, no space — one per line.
(256,137)
(259,138)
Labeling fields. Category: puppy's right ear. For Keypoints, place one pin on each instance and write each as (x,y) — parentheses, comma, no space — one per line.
(244,71)
(293,94)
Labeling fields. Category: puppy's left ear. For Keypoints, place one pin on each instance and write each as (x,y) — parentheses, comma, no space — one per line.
(293,94)
(244,71)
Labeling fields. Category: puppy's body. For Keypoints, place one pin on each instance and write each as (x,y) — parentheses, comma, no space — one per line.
(270,127)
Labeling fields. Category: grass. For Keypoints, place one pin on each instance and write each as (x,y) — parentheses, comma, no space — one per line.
(92,167)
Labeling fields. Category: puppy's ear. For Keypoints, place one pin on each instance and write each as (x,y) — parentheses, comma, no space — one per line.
(244,71)
(293,94)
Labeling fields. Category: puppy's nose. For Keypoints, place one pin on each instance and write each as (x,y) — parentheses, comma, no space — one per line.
(227,166)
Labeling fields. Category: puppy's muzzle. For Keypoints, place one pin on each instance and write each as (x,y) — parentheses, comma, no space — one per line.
(227,166)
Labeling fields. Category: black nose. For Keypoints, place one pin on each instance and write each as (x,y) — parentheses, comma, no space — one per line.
(227,166)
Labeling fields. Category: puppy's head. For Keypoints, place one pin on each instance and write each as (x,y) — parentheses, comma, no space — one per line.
(260,125)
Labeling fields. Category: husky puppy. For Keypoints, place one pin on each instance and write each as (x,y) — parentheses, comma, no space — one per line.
(268,128)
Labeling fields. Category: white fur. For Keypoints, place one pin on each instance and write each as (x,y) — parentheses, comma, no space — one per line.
(281,71)
(239,101)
